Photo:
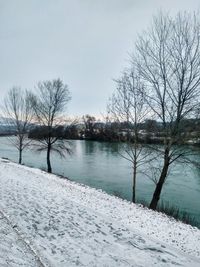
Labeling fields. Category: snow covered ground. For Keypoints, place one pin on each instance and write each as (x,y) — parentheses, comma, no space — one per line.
(48,221)
(13,250)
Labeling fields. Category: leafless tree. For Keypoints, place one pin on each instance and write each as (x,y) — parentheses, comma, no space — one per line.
(18,112)
(49,104)
(168,60)
(127,105)
(89,122)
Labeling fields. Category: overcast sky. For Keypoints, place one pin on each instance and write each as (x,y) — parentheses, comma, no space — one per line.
(84,42)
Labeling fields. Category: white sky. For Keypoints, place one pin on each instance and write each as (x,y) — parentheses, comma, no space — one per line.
(84,42)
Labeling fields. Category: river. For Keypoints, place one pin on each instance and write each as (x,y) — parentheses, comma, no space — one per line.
(100,165)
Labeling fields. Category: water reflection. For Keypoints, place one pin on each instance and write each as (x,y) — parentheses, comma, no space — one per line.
(89,149)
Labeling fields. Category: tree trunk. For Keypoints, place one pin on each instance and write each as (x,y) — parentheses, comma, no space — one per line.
(49,169)
(159,186)
(135,159)
(20,149)
(134,183)
(20,156)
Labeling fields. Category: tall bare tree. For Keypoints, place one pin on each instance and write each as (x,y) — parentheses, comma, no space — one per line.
(19,113)
(49,104)
(128,105)
(168,60)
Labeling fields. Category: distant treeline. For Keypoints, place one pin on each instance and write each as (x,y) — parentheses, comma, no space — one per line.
(150,131)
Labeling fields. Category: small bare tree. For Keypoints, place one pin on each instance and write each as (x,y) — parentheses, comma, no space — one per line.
(127,105)
(89,122)
(49,104)
(168,60)
(19,114)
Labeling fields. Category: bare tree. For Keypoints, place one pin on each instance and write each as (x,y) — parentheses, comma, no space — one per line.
(89,122)
(127,105)
(18,113)
(49,104)
(168,60)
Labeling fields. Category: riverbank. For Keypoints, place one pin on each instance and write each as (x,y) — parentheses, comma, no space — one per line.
(68,224)
(100,165)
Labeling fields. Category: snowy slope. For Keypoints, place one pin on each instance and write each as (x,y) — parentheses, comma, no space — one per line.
(66,224)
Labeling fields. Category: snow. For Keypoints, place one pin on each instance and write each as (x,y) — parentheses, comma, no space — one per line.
(49,221)
(13,250)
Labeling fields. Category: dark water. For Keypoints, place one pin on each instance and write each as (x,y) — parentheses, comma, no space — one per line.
(99,165)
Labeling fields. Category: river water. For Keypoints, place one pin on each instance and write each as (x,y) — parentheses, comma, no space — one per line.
(100,165)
